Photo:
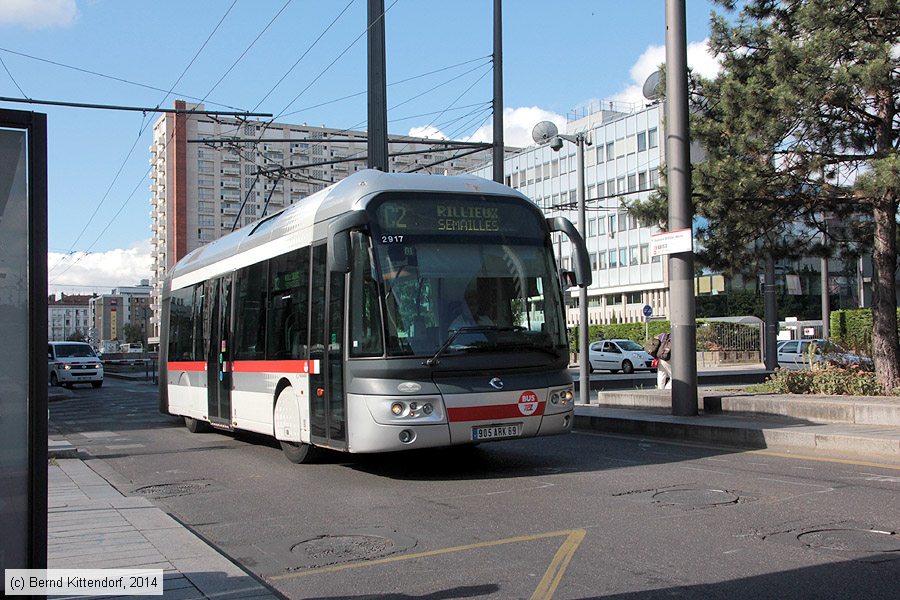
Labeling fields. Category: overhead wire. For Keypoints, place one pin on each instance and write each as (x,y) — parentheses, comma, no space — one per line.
(140,133)
(170,137)
(5,68)
(110,77)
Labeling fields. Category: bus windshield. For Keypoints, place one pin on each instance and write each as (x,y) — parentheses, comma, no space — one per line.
(466,289)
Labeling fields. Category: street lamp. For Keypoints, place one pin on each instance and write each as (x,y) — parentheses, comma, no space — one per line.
(545,132)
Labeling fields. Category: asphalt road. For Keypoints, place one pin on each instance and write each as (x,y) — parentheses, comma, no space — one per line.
(577,516)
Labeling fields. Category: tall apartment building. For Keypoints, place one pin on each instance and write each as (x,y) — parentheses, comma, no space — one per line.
(66,315)
(621,165)
(197,188)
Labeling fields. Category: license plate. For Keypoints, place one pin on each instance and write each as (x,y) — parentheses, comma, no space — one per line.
(494,432)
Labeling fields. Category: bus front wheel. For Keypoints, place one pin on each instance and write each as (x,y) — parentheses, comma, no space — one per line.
(298,452)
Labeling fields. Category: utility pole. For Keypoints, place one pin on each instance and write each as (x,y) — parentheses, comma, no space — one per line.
(377,130)
(770,309)
(498,91)
(681,214)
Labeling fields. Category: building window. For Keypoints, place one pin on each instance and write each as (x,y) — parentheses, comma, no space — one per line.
(645,253)
(592,228)
(613,263)
(620,185)
(633,222)
(634,298)
(623,221)
(612,224)
(594,263)
(623,257)
(601,226)
(653,138)
(642,180)
(610,187)
(610,150)
(632,183)
(601,190)
(642,141)
(600,153)
(654,177)
(601,261)
(633,256)
(613,299)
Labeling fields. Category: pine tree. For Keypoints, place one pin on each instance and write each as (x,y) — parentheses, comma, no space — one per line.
(803,122)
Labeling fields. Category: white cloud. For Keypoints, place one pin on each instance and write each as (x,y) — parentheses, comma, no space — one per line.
(38,14)
(698,57)
(99,270)
(517,125)
(428,131)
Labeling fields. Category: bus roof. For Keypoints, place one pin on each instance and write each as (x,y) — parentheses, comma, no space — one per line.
(306,221)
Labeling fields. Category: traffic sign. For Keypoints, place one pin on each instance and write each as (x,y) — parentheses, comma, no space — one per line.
(648,310)
(671,242)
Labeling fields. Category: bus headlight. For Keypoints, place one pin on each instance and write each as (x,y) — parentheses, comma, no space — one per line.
(397,408)
(428,409)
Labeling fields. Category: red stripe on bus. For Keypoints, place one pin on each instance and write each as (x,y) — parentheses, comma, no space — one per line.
(276,366)
(187,366)
(486,413)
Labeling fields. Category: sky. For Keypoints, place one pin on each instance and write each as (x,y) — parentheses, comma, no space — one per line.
(304,60)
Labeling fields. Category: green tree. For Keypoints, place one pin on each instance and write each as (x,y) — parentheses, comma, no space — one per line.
(76,336)
(802,122)
(133,333)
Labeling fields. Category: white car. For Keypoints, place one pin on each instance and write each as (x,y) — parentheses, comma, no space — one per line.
(795,354)
(73,362)
(619,355)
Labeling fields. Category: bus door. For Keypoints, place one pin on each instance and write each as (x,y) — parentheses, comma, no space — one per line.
(218,351)
(328,420)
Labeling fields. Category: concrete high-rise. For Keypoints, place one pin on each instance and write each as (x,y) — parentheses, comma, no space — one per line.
(204,167)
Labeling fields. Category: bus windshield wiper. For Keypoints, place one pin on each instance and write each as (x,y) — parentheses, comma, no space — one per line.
(471,329)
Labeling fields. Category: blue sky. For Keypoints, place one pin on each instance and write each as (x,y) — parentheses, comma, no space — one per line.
(557,56)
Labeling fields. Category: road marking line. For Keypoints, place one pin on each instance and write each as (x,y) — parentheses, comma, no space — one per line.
(550,581)
(842,461)
(546,587)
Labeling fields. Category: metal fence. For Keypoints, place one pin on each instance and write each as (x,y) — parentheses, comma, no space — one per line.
(729,340)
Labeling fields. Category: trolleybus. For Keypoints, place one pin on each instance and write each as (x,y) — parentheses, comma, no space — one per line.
(385,312)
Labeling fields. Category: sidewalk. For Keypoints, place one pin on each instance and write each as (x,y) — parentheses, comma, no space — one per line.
(92,526)
(842,425)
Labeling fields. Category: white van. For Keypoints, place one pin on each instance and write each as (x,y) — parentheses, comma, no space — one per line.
(73,362)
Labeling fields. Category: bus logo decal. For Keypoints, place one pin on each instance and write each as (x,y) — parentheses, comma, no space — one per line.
(528,403)
(496,383)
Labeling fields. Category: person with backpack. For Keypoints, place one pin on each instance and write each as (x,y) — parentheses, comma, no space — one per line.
(660,348)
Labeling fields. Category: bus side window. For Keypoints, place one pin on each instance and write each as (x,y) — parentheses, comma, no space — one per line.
(365,310)
(250,304)
(288,310)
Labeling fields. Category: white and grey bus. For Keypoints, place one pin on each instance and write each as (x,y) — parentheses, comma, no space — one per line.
(386,312)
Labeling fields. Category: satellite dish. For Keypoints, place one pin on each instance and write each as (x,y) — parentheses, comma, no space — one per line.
(651,86)
(543,132)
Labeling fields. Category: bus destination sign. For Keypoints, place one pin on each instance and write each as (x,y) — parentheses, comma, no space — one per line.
(455,215)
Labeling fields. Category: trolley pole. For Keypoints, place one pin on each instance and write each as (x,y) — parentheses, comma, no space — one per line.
(681,264)
(377,73)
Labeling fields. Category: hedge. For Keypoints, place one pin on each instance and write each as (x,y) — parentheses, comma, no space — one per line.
(708,338)
(852,329)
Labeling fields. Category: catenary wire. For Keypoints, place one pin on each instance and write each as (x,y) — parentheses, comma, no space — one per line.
(5,68)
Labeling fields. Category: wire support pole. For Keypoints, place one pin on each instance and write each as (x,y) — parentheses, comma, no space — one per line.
(681,265)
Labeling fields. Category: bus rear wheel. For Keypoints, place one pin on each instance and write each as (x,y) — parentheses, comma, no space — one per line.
(196,426)
(299,453)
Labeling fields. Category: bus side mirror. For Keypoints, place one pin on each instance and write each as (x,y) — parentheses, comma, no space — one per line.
(568,279)
(339,239)
(582,261)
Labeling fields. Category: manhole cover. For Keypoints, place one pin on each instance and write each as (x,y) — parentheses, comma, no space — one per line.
(695,498)
(332,549)
(163,490)
(852,540)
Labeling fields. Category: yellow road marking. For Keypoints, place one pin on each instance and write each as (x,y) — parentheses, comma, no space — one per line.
(545,590)
(547,587)
(843,461)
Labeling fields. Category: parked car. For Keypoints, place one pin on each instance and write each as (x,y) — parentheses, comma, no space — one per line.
(618,355)
(73,362)
(801,354)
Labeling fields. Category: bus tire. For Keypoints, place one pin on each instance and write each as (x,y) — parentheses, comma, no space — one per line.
(195,425)
(299,453)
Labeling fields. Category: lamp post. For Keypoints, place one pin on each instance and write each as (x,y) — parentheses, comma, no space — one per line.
(546,131)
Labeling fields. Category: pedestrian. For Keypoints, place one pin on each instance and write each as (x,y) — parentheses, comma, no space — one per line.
(661,350)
